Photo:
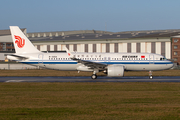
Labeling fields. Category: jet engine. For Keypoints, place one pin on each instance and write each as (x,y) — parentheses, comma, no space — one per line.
(115,71)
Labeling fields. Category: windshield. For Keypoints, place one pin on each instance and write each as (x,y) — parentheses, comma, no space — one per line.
(163,58)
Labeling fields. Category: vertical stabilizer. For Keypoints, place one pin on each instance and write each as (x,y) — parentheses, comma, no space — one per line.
(21,43)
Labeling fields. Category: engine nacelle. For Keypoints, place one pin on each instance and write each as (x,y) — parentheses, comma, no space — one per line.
(115,71)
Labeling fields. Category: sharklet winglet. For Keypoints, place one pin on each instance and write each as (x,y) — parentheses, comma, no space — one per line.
(68,52)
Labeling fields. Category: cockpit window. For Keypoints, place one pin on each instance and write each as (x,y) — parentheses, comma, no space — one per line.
(163,59)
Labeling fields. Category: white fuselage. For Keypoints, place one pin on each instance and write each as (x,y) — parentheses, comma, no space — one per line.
(130,61)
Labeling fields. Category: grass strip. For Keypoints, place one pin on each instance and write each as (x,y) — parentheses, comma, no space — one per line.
(79,101)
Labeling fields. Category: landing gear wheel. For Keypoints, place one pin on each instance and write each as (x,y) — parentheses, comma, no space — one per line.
(94,76)
(151,77)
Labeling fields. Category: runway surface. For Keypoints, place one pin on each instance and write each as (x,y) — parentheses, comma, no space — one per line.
(88,79)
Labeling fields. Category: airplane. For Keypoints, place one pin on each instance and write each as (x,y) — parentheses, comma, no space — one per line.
(112,64)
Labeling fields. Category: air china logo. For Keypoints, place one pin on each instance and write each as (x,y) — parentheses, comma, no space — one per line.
(19,41)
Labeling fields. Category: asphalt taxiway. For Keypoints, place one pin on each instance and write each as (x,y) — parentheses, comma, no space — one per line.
(88,79)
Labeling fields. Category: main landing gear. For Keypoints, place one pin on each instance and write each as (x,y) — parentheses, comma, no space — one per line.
(150,75)
(94,76)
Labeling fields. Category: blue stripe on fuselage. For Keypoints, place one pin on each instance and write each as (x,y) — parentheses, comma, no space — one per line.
(36,62)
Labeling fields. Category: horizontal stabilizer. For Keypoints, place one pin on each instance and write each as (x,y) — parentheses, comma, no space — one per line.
(16,57)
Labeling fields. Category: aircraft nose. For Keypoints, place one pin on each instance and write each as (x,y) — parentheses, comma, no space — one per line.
(171,65)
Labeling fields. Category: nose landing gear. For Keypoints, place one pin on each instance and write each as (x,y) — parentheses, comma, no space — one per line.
(150,75)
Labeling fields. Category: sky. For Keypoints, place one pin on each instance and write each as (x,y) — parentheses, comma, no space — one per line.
(106,15)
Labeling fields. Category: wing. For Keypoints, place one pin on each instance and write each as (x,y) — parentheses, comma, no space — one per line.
(90,64)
